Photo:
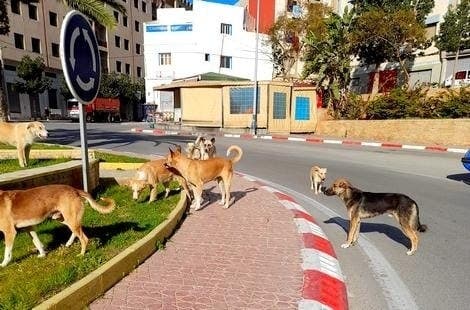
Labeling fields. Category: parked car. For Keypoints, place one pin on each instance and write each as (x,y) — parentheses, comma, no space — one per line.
(461,78)
(466,160)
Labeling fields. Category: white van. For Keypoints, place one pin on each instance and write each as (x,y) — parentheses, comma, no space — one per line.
(461,78)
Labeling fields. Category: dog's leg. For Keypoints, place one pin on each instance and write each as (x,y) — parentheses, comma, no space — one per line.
(21,157)
(220,182)
(153,193)
(412,235)
(227,183)
(37,243)
(167,189)
(353,224)
(311,182)
(27,150)
(319,187)
(70,241)
(356,233)
(197,190)
(9,239)
(316,187)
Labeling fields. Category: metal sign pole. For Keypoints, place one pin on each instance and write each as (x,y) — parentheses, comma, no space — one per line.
(84,145)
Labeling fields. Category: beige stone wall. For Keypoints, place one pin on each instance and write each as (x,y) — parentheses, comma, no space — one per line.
(201,106)
(448,132)
(69,173)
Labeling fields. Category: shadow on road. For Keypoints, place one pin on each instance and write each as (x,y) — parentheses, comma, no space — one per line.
(461,177)
(392,232)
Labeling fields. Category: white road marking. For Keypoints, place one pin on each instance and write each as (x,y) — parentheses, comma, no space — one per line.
(371,144)
(333,141)
(313,259)
(395,291)
(312,305)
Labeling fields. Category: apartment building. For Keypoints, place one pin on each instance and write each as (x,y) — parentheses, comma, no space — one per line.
(35,31)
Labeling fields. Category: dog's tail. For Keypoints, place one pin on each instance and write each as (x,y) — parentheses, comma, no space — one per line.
(239,153)
(420,227)
(108,208)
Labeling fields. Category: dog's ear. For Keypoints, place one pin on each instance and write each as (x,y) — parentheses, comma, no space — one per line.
(178,148)
(30,125)
(343,184)
(171,151)
(213,140)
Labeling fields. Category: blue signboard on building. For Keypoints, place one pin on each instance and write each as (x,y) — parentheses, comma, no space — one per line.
(182,27)
(156,28)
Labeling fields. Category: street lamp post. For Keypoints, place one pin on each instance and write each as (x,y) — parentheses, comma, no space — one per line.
(255,86)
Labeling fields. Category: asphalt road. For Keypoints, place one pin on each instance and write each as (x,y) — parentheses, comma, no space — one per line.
(379,274)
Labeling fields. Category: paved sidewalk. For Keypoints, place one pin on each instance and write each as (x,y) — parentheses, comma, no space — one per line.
(247,256)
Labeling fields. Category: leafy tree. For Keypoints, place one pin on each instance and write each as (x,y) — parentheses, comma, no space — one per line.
(116,85)
(286,36)
(389,31)
(328,59)
(454,32)
(95,9)
(34,82)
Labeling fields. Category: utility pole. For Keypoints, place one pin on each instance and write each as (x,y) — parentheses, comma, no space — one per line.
(3,84)
(255,86)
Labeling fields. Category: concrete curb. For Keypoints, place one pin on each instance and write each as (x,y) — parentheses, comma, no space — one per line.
(84,291)
(323,283)
(120,166)
(315,140)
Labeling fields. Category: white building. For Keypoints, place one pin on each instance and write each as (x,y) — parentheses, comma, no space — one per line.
(210,38)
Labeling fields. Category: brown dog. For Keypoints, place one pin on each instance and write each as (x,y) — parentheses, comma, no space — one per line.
(26,208)
(151,174)
(317,177)
(366,204)
(22,135)
(199,172)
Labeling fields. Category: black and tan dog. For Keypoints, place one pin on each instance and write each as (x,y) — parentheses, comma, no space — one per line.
(366,204)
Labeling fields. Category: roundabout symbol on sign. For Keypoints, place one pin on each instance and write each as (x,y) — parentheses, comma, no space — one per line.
(80,57)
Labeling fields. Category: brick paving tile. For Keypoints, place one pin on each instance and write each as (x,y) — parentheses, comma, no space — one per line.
(244,257)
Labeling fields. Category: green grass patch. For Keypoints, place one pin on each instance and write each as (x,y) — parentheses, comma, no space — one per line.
(37,146)
(112,158)
(11,165)
(29,280)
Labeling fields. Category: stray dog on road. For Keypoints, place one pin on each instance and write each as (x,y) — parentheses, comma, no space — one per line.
(29,207)
(199,172)
(22,135)
(202,148)
(151,174)
(366,204)
(317,177)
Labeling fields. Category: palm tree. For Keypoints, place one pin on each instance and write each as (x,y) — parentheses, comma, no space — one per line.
(95,9)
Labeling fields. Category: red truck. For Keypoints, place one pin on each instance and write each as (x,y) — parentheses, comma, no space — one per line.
(102,109)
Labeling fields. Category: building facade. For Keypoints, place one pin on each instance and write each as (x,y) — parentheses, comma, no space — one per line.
(35,31)
(182,43)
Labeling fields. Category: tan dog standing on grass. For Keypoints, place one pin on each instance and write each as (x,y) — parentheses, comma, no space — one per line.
(317,178)
(199,172)
(27,208)
(151,174)
(22,135)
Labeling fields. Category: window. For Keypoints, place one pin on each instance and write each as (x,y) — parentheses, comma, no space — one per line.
(118,66)
(137,26)
(207,57)
(16,7)
(128,68)
(137,49)
(139,72)
(13,99)
(226,62)
(226,28)
(302,108)
(136,4)
(33,11)
(279,105)
(460,75)
(116,16)
(52,96)
(36,45)
(126,44)
(19,41)
(53,19)
(55,49)
(241,100)
(124,21)
(431,31)
(117,41)
(144,7)
(164,59)
(154,11)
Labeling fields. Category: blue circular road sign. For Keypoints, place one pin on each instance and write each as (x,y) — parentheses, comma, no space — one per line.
(80,57)
(466,160)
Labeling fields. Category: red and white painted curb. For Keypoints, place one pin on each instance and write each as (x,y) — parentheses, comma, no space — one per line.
(315,140)
(323,282)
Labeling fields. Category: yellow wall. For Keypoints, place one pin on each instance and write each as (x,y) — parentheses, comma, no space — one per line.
(244,120)
(201,106)
(304,125)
